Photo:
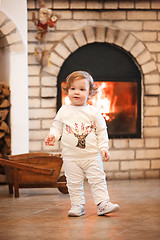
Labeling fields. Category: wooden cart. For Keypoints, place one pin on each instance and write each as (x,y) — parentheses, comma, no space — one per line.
(33,170)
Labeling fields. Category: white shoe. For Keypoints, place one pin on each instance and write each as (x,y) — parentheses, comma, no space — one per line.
(107,207)
(76,211)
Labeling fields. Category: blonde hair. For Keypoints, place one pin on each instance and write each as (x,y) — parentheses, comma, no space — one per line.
(78,75)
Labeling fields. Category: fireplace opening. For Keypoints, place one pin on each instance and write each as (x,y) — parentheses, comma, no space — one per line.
(119,86)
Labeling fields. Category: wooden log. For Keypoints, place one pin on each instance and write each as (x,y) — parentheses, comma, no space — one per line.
(1,96)
(6,92)
(5,103)
(5,149)
(7,139)
(4,89)
(2,134)
(4,127)
(3,114)
(1,142)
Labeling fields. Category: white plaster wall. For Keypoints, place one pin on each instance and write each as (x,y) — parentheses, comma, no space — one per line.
(16,10)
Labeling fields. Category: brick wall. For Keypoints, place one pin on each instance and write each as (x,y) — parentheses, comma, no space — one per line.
(133,26)
(9,34)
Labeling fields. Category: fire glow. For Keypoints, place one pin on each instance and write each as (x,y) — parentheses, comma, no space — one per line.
(118,104)
(103,100)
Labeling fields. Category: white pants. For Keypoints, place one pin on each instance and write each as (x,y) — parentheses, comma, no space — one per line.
(93,169)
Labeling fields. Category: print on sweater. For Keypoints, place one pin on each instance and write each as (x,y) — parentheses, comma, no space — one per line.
(81,133)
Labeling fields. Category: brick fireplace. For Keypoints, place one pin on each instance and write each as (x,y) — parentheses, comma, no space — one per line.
(118,79)
(134,28)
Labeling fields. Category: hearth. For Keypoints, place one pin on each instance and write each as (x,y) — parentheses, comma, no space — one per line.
(119,86)
(118,104)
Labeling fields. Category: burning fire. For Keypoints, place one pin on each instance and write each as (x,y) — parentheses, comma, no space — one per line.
(116,101)
(104,100)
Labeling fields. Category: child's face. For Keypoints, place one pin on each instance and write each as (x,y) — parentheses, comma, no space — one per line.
(78,92)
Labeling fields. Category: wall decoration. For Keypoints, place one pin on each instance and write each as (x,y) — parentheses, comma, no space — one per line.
(44,20)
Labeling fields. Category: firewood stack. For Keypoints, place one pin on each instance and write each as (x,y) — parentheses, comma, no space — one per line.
(5,139)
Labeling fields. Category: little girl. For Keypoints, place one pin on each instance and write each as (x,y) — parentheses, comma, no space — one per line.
(84,139)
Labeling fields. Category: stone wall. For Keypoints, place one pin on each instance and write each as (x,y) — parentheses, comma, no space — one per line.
(133,26)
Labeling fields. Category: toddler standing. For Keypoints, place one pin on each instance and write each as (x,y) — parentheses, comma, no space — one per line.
(84,139)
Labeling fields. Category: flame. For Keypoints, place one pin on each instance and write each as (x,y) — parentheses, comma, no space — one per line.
(104,100)
(66,101)
(116,101)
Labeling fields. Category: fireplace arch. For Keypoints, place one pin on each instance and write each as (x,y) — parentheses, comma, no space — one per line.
(90,34)
(103,60)
(119,80)
(101,34)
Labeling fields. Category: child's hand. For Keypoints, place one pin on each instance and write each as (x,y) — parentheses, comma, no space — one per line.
(50,140)
(105,154)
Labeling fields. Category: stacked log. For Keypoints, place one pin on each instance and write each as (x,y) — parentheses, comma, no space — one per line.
(5,138)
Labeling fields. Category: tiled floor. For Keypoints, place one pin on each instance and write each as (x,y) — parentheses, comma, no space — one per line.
(42,214)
